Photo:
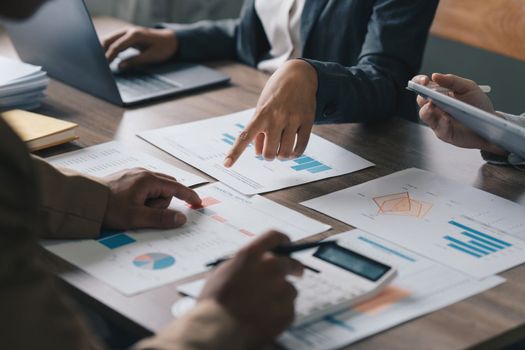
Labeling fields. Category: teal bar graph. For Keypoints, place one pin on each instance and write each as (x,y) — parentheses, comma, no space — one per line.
(303,159)
(304,163)
(228,136)
(452,245)
(478,244)
(319,169)
(479,233)
(307,165)
(116,241)
(466,246)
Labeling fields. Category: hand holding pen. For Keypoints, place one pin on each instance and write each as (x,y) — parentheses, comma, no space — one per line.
(284,250)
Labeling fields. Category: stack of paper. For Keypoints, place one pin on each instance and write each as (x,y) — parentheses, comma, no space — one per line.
(22,85)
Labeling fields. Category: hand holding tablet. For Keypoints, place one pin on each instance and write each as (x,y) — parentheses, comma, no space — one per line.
(465,116)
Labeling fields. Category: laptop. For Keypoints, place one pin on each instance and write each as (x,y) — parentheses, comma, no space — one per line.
(62,39)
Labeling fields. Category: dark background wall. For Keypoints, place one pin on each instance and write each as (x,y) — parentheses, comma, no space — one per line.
(505,75)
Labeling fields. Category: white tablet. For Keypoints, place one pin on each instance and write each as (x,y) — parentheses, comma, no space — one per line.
(499,131)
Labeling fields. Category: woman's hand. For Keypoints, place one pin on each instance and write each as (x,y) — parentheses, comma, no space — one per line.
(284,116)
(443,125)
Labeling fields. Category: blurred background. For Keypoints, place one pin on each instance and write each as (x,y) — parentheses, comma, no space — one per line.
(146,12)
(483,40)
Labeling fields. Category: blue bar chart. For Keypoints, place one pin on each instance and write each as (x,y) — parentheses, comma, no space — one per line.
(474,242)
(304,162)
(228,138)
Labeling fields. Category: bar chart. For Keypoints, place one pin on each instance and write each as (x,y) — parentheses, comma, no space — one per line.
(473,242)
(305,162)
(464,228)
(228,138)
(116,240)
(250,174)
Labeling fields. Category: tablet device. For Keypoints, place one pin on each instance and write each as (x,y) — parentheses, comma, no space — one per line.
(505,134)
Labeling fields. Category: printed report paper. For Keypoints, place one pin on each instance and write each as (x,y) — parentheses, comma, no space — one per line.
(204,145)
(467,229)
(422,286)
(111,157)
(135,261)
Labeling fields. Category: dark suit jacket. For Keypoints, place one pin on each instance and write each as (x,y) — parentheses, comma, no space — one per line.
(364,51)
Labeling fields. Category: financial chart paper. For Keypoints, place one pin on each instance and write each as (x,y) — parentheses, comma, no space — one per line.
(463,227)
(205,144)
(135,261)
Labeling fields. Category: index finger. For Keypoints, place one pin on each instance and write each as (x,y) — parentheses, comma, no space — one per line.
(453,82)
(421,79)
(124,42)
(171,188)
(266,243)
(242,142)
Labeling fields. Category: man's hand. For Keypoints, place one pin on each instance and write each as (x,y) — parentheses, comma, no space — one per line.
(285,112)
(155,45)
(140,199)
(443,125)
(253,288)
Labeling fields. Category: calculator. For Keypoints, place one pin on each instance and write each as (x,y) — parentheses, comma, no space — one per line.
(336,278)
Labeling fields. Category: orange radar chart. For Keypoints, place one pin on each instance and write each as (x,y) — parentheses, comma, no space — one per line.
(401,204)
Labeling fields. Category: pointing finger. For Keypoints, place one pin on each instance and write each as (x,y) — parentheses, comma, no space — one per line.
(242,142)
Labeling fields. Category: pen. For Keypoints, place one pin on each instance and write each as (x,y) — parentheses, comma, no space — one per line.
(284,250)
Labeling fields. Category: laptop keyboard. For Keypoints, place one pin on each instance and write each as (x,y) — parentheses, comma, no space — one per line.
(139,84)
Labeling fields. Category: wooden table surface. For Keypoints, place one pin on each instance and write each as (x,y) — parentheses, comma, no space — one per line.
(487,320)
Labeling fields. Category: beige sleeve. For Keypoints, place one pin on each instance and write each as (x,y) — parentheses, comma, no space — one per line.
(72,205)
(34,312)
(208,326)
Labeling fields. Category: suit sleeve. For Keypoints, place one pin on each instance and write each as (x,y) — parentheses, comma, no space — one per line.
(390,56)
(208,326)
(71,205)
(205,40)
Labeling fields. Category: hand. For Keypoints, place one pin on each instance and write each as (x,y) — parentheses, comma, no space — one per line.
(139,199)
(155,45)
(444,126)
(253,288)
(285,111)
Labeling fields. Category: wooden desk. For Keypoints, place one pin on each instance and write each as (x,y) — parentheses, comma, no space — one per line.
(490,319)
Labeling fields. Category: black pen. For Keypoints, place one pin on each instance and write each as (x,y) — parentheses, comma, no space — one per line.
(284,250)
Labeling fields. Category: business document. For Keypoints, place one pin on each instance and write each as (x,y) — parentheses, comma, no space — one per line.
(422,286)
(135,261)
(467,229)
(204,145)
(111,157)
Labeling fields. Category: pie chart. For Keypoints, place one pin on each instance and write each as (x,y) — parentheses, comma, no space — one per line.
(154,261)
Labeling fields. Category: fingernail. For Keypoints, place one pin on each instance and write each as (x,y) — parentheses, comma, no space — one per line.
(180,219)
(228,162)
